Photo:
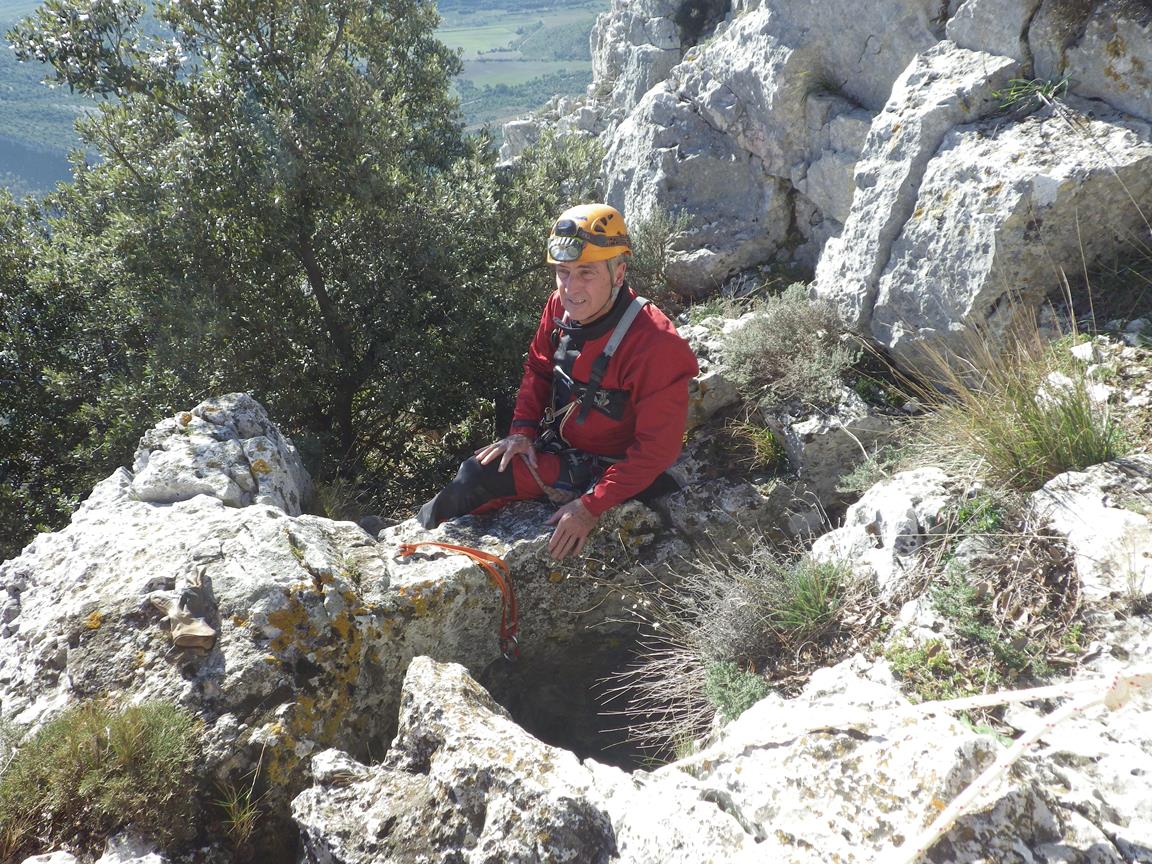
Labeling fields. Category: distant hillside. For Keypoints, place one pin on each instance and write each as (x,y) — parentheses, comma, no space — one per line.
(516,56)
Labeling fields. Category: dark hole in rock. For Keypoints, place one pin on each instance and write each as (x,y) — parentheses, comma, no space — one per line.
(696,19)
(562,698)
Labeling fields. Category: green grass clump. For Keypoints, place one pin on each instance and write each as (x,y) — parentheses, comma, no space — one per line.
(739,624)
(733,690)
(1016,416)
(791,351)
(93,769)
(930,672)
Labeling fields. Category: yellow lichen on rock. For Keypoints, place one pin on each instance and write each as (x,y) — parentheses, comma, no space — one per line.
(94,620)
(260,466)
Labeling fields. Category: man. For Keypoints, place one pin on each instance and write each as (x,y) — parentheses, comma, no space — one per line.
(601,409)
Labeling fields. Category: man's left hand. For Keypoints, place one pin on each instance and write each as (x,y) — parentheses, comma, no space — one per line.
(573,525)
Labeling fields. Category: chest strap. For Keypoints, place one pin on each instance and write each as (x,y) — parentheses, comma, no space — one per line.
(600,365)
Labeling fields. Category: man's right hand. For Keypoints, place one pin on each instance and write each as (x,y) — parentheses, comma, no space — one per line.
(506,449)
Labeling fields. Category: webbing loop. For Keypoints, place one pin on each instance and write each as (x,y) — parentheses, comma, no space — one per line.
(501,576)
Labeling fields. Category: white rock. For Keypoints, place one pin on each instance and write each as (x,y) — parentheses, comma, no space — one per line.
(1104,515)
(130,849)
(885,529)
(1001,208)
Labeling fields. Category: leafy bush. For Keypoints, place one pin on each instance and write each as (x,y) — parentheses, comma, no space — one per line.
(1014,415)
(791,351)
(733,690)
(92,770)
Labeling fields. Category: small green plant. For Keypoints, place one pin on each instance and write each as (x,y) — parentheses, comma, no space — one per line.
(1023,93)
(982,513)
(713,307)
(92,769)
(880,465)
(732,689)
(929,671)
(651,247)
(764,447)
(792,350)
(241,807)
(810,598)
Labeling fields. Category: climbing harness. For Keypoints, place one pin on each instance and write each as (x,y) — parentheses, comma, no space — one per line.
(501,575)
(583,397)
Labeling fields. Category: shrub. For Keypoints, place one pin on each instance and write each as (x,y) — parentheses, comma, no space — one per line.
(733,690)
(1014,415)
(92,770)
(651,245)
(791,351)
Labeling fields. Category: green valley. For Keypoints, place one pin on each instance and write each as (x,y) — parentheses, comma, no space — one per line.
(516,56)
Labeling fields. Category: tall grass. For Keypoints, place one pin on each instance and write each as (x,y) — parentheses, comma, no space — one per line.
(1019,414)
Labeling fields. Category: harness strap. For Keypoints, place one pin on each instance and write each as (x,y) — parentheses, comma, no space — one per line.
(501,576)
(600,366)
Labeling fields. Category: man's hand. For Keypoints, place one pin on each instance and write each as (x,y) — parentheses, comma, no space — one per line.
(506,449)
(573,525)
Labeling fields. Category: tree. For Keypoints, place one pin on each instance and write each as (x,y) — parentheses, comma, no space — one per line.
(285,203)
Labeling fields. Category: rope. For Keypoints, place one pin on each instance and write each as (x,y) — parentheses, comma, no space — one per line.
(1111,692)
(501,576)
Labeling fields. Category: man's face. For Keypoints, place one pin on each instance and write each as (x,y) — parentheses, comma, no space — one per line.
(586,289)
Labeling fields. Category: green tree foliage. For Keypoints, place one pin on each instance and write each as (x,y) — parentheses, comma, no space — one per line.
(286,204)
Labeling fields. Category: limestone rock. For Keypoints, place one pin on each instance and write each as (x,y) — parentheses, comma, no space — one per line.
(1104,49)
(317,621)
(883,531)
(634,47)
(1105,514)
(462,782)
(666,157)
(822,446)
(518,136)
(226,448)
(994,26)
(1001,211)
(723,137)
(941,88)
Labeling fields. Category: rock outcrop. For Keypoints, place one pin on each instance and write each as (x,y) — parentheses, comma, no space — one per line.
(462,782)
(316,621)
(995,149)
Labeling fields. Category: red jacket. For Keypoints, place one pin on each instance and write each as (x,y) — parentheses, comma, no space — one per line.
(654,364)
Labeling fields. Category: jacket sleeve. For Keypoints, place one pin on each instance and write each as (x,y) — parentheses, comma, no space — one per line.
(660,393)
(536,385)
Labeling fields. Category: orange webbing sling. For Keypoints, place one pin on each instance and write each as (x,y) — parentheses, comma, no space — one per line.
(501,576)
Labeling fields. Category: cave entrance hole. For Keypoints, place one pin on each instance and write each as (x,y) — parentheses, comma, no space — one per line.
(564,699)
(697,19)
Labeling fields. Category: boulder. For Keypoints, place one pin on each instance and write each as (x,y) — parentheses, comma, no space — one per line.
(824,445)
(315,620)
(847,770)
(884,531)
(1102,47)
(941,88)
(665,157)
(1105,515)
(726,135)
(226,448)
(1003,212)
(518,136)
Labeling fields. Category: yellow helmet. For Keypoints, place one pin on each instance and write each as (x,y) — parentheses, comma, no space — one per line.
(588,232)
